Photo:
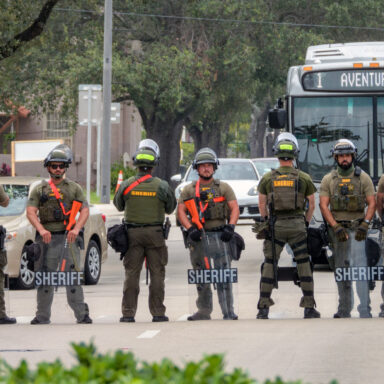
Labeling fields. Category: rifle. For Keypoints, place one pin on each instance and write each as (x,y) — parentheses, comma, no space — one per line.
(272,220)
(76,205)
(195,218)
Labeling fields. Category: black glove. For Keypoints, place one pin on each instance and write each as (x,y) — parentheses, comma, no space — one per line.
(228,231)
(194,234)
(340,232)
(306,223)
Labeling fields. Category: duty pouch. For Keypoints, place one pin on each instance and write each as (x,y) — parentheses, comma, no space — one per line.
(117,237)
(3,233)
(355,203)
(237,245)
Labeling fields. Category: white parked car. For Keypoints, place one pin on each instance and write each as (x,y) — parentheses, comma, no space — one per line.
(240,174)
(265,164)
(21,233)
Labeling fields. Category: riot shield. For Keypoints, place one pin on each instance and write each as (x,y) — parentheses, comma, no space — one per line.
(58,280)
(212,279)
(354,274)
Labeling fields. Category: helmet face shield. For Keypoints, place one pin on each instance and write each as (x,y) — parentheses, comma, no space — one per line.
(344,147)
(150,144)
(286,146)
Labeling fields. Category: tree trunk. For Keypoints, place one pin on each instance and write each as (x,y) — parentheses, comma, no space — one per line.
(210,136)
(257,130)
(167,135)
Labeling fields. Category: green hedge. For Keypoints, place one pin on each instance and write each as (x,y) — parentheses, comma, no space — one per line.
(122,367)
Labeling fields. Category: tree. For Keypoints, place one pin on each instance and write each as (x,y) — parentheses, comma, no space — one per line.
(16,14)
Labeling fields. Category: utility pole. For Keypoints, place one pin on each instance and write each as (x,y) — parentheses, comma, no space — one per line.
(107,96)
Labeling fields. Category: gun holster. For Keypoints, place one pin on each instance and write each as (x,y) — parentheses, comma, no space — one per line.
(3,233)
(80,239)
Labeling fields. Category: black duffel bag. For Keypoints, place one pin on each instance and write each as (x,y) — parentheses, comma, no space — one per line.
(117,237)
(316,239)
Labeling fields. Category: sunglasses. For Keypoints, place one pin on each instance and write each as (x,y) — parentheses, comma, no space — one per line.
(55,166)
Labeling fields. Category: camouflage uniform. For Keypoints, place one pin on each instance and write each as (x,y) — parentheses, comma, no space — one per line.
(289,228)
(380,189)
(144,212)
(51,217)
(351,252)
(216,217)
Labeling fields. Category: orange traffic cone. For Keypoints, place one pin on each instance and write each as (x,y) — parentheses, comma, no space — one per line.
(119,180)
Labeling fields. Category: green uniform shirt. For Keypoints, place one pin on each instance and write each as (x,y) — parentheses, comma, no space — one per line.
(306,187)
(215,188)
(68,190)
(367,189)
(146,203)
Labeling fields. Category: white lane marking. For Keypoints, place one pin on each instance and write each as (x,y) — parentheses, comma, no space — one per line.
(24,319)
(148,334)
(184,317)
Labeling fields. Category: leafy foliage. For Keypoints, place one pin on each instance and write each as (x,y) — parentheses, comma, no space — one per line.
(121,367)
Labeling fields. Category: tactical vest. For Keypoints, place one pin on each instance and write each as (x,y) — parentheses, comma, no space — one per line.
(213,210)
(142,204)
(49,207)
(346,192)
(285,192)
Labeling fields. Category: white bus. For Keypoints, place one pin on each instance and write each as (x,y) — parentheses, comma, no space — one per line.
(337,93)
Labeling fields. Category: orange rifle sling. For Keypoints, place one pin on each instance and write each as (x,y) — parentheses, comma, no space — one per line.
(136,183)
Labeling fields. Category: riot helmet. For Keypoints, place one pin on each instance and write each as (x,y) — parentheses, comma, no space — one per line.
(60,154)
(286,146)
(205,156)
(344,147)
(147,154)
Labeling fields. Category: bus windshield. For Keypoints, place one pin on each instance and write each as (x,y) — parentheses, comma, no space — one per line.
(318,122)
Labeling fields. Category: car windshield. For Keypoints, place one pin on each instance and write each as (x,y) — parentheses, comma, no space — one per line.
(18,196)
(265,165)
(236,170)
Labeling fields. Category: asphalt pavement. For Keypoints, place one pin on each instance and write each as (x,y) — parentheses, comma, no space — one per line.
(315,351)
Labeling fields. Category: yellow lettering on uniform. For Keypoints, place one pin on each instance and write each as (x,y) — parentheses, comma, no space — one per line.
(283,183)
(345,180)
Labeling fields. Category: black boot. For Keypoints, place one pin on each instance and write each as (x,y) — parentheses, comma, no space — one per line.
(263,313)
(7,320)
(158,319)
(311,313)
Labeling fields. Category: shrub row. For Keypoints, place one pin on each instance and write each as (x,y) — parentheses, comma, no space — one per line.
(122,367)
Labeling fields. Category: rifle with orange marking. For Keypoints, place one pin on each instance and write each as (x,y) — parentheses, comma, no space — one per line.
(195,218)
(76,205)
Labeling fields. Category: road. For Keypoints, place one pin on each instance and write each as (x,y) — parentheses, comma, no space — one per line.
(315,351)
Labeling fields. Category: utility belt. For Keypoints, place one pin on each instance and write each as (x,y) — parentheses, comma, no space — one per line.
(215,229)
(289,217)
(350,224)
(141,225)
(58,232)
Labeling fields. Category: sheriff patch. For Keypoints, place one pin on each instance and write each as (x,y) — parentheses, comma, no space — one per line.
(283,183)
(143,193)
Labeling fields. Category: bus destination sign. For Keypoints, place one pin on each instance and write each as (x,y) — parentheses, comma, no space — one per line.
(344,81)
